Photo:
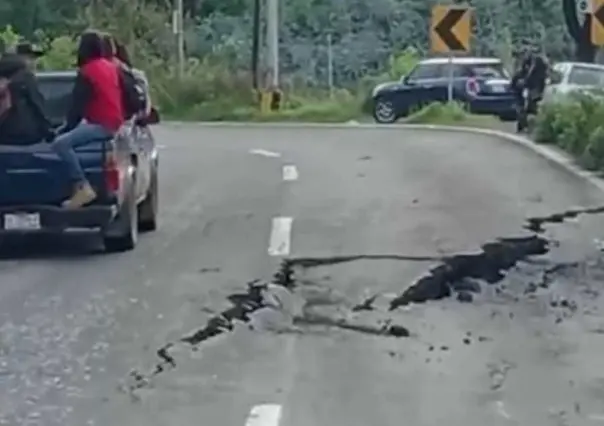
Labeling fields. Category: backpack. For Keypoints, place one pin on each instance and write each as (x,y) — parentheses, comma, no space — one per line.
(133,95)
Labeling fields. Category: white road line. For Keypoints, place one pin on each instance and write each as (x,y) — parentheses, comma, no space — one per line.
(290,172)
(279,243)
(265,153)
(264,415)
(500,406)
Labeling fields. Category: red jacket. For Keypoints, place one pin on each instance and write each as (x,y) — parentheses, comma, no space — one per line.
(104,104)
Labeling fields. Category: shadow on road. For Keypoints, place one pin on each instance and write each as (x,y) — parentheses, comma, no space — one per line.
(42,246)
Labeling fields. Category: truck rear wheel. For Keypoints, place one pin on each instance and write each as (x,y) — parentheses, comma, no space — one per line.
(147,209)
(122,234)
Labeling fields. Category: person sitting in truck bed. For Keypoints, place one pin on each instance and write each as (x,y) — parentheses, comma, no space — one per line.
(96,113)
(118,54)
(122,55)
(24,120)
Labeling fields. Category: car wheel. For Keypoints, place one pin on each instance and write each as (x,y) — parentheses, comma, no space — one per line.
(148,208)
(123,231)
(384,112)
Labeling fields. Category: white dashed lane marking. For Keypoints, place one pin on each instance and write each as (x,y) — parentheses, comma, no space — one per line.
(265,153)
(279,244)
(264,415)
(290,172)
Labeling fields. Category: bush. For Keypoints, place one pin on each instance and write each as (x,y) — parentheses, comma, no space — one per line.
(576,124)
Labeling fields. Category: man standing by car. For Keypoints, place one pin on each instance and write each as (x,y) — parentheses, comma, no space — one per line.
(536,78)
(528,84)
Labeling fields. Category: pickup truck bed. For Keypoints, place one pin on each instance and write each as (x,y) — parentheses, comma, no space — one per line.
(33,184)
(35,175)
(123,171)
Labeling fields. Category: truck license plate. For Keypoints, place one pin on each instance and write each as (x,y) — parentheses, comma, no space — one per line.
(22,222)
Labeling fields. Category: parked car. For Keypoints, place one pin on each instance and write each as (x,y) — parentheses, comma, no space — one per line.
(123,171)
(572,77)
(481,84)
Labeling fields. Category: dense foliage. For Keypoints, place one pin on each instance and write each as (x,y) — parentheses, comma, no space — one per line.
(372,41)
(364,32)
(575,123)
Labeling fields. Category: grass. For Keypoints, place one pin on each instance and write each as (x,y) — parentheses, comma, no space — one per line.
(325,111)
(331,111)
(451,115)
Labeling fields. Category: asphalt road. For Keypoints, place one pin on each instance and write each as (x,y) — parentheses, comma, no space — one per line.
(94,339)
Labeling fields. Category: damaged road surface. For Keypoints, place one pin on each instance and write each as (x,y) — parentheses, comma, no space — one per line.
(429,278)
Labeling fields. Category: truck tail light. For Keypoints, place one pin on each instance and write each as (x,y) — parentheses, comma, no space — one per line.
(112,173)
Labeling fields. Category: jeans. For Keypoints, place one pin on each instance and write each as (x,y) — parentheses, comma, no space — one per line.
(65,144)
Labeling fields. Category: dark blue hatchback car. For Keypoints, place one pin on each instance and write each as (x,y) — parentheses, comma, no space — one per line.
(481,84)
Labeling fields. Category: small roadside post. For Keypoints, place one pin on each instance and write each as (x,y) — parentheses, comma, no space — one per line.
(450,31)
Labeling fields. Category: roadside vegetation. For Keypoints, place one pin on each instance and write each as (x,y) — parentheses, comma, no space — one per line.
(371,42)
(575,123)
(209,91)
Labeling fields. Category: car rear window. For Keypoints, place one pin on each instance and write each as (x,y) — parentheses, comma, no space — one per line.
(426,71)
(57,94)
(586,76)
(489,70)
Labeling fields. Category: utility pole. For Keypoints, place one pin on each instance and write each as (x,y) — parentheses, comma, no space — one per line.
(272,41)
(255,44)
(330,64)
(178,29)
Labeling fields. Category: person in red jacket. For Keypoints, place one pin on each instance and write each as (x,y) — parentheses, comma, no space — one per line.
(96,113)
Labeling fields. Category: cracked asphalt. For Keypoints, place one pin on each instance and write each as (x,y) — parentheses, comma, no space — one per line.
(314,276)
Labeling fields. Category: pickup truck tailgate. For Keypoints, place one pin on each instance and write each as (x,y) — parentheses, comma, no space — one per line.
(34,175)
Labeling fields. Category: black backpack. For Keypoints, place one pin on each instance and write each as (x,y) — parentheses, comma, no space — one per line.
(133,95)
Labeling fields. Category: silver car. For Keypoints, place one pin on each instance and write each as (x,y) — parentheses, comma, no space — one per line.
(572,77)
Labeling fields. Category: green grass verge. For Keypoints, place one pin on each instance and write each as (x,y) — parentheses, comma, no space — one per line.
(329,111)
(451,115)
(321,111)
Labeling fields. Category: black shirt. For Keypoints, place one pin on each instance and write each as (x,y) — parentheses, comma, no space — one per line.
(26,122)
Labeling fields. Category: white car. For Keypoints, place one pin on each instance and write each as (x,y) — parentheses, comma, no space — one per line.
(569,77)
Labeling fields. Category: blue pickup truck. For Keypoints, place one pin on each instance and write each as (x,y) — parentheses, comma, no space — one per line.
(122,170)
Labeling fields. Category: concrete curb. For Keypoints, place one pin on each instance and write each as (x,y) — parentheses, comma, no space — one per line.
(552,154)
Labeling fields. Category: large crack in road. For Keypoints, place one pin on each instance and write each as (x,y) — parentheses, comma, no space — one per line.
(489,265)
(450,275)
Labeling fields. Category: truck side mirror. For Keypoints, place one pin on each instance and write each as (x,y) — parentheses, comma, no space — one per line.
(153,117)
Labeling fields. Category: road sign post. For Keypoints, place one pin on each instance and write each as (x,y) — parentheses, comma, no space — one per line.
(450,79)
(597,23)
(450,31)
